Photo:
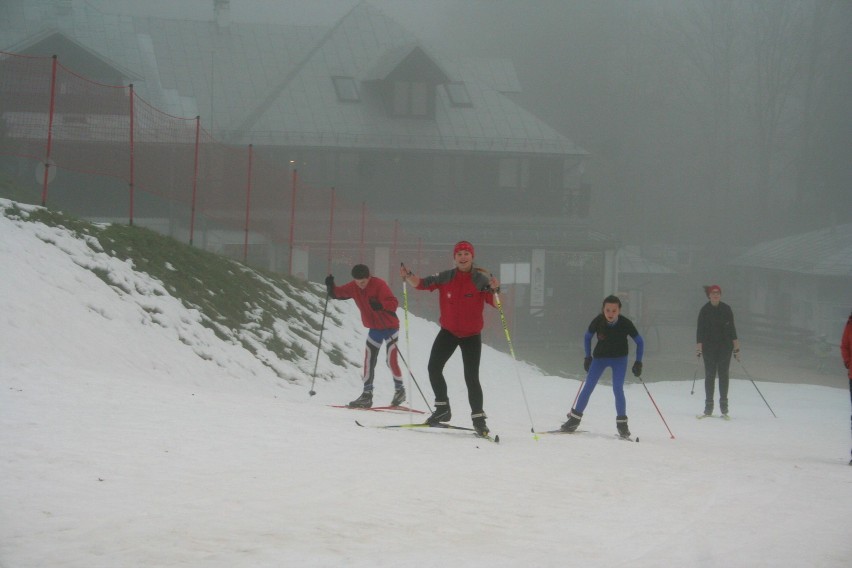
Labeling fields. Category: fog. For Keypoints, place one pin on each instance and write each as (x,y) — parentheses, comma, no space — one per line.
(727,122)
(723,121)
(710,128)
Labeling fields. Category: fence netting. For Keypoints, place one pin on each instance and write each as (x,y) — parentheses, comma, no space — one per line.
(100,150)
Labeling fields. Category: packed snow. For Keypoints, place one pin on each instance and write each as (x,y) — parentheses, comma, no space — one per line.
(128,440)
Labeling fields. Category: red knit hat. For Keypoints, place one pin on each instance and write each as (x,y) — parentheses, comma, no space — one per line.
(463,245)
(713,288)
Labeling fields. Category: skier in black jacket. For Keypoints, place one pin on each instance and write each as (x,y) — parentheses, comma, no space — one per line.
(716,339)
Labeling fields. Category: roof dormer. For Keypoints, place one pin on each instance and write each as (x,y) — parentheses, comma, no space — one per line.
(406,78)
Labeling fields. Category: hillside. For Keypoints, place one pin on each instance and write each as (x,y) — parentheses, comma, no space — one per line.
(212,305)
(154,411)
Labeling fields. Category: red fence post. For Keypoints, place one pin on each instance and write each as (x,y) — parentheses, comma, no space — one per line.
(394,248)
(292,220)
(49,132)
(330,232)
(363,225)
(248,206)
(132,165)
(194,180)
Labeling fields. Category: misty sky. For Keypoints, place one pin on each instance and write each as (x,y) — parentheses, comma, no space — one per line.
(726,121)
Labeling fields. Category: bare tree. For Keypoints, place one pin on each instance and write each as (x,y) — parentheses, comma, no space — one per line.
(824,102)
(778,53)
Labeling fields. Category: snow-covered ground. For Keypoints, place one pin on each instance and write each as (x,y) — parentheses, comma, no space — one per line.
(121,446)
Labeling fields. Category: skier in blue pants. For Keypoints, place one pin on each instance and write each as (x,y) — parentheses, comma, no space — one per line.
(611,330)
(596,369)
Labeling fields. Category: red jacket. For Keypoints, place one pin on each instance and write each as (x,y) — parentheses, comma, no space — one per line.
(463,297)
(846,346)
(376,290)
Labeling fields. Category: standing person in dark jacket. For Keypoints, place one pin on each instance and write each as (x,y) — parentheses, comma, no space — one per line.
(611,350)
(378,313)
(846,352)
(464,291)
(716,339)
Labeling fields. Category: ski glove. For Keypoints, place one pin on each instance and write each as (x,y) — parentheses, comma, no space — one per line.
(587,362)
(329,285)
(376,305)
(637,369)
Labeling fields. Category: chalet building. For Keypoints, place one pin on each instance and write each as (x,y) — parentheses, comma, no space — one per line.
(798,289)
(434,141)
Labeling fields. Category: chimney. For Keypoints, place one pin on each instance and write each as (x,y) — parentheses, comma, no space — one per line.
(222,12)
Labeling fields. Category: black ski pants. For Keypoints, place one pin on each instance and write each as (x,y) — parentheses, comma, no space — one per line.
(471,350)
(717,359)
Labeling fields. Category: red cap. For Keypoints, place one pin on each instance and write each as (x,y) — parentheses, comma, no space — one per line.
(713,288)
(463,245)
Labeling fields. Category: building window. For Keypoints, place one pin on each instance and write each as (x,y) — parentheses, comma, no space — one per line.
(410,99)
(578,201)
(458,94)
(346,89)
(514,173)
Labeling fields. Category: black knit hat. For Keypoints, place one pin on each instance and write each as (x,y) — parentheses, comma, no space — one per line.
(360,271)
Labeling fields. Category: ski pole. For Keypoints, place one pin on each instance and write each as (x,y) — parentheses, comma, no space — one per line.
(657,407)
(405,312)
(312,392)
(576,396)
(410,374)
(512,351)
(580,388)
(757,389)
(407,343)
(695,374)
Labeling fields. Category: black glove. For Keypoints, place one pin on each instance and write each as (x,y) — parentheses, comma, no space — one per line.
(637,369)
(587,362)
(376,305)
(329,285)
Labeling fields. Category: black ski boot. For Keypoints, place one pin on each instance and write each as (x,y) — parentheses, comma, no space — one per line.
(621,424)
(723,406)
(363,401)
(479,423)
(708,408)
(442,413)
(574,418)
(398,397)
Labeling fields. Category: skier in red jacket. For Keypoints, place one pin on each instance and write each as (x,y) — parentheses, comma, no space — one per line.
(378,313)
(464,291)
(846,351)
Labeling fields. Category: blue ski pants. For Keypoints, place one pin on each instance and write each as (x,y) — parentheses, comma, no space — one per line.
(599,365)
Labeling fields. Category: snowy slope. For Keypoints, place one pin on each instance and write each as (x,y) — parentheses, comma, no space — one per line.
(128,440)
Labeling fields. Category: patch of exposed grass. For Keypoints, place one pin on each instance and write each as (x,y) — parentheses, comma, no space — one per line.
(234,301)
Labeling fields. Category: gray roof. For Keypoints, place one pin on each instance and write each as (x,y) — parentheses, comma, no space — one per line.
(826,252)
(271,84)
(630,261)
